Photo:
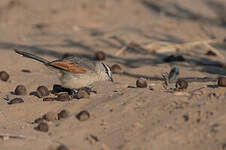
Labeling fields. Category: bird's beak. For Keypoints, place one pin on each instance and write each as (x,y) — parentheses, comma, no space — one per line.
(111,79)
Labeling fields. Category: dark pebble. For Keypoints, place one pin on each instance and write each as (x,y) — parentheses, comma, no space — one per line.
(83,115)
(38,120)
(83,93)
(49,99)
(222,82)
(26,70)
(141,83)
(62,147)
(173,58)
(63,114)
(63,97)
(20,90)
(43,127)
(100,55)
(4,76)
(42,91)
(16,101)
(181,85)
(116,69)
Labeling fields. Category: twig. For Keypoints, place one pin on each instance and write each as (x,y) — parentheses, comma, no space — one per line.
(13,136)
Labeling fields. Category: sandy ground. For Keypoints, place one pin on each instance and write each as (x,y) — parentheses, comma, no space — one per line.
(121,118)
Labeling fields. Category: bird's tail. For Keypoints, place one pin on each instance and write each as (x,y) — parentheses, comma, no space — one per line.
(28,55)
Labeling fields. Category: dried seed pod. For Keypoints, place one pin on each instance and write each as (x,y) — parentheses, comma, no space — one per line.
(100,56)
(116,69)
(42,91)
(181,85)
(63,97)
(20,90)
(63,114)
(4,76)
(83,115)
(83,93)
(221,82)
(16,101)
(43,127)
(141,83)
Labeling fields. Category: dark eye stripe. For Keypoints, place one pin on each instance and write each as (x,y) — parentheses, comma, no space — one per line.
(107,69)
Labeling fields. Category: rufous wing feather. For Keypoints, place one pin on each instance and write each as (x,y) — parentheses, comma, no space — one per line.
(68,66)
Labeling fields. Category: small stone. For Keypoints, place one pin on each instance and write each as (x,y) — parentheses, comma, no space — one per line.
(63,97)
(38,120)
(50,116)
(20,90)
(141,83)
(62,147)
(181,85)
(16,101)
(100,56)
(49,99)
(63,114)
(83,115)
(43,127)
(4,76)
(42,91)
(116,69)
(26,70)
(83,93)
(222,82)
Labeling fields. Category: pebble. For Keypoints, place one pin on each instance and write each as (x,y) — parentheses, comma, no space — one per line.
(49,99)
(141,83)
(221,82)
(20,90)
(43,127)
(62,147)
(16,101)
(4,76)
(63,97)
(116,69)
(42,91)
(83,93)
(83,115)
(181,85)
(63,114)
(100,56)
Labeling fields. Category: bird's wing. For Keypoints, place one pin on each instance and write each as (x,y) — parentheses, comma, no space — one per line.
(67,65)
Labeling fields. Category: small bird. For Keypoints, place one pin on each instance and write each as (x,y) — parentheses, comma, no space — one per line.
(75,72)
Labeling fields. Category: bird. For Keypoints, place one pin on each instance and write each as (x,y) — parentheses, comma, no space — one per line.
(75,72)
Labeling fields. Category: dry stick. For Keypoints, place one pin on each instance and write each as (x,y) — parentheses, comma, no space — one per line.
(213,50)
(13,136)
(163,47)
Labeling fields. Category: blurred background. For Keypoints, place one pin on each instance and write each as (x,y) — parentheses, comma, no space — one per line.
(82,27)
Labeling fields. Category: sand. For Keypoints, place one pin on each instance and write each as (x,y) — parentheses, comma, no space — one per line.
(122,117)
